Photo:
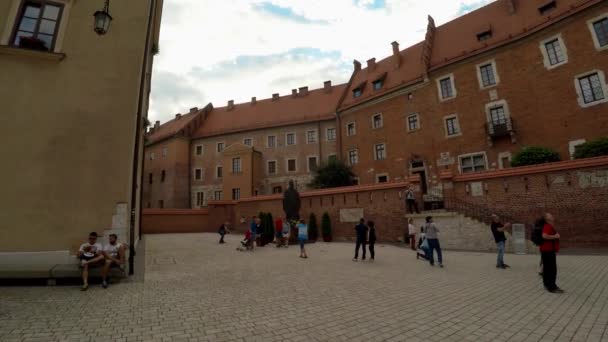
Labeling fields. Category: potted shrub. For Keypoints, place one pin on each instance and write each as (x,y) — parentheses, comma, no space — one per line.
(326,227)
(32,43)
(533,155)
(313,229)
(594,148)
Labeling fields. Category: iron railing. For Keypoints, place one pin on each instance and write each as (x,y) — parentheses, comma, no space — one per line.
(500,128)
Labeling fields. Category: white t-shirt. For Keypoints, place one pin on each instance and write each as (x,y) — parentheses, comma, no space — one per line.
(112,250)
(95,248)
(411,229)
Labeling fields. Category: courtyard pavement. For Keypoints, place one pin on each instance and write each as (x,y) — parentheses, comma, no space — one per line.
(196,290)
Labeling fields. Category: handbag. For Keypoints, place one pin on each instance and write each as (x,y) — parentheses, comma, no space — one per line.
(425,244)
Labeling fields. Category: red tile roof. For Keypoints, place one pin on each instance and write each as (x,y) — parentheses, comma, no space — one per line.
(457,40)
(317,105)
(172,127)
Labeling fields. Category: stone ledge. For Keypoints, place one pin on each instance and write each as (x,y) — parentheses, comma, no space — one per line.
(15,51)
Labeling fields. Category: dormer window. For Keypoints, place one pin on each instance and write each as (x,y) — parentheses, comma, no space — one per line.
(548,7)
(485,35)
(378,84)
(357,92)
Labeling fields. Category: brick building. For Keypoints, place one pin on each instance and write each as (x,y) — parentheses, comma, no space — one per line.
(474,92)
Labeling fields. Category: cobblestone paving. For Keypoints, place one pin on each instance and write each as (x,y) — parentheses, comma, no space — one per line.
(197,290)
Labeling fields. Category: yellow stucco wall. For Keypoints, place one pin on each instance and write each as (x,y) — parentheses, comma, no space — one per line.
(68,129)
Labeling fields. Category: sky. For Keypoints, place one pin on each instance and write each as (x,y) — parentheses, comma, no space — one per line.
(221,50)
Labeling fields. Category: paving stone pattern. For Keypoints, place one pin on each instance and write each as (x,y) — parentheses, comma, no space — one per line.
(197,290)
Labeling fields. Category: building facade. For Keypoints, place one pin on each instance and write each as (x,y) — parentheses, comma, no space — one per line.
(74,103)
(466,99)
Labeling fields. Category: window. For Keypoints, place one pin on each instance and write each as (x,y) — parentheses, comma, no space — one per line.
(161,204)
(150,178)
(473,163)
(217,195)
(572,146)
(272,141)
(357,92)
(498,116)
(248,141)
(377,121)
(548,7)
(199,150)
(332,158)
(599,31)
(379,152)
(331,134)
(487,75)
(483,36)
(152,156)
(220,147)
(311,137)
(200,198)
(452,128)
(236,165)
(162,176)
(353,157)
(291,165)
(290,139)
(312,164)
(554,52)
(37,25)
(272,167)
(356,181)
(236,194)
(351,129)
(219,172)
(198,174)
(378,84)
(446,87)
(277,190)
(165,152)
(413,122)
(381,178)
(591,89)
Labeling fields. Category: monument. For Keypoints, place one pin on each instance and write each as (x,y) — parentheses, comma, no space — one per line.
(291,203)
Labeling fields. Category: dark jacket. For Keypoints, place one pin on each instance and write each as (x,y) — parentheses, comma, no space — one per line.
(372,235)
(361,231)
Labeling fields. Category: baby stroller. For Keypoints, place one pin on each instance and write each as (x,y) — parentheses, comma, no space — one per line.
(246,244)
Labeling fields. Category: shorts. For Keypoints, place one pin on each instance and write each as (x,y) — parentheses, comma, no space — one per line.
(302,242)
(278,235)
(286,235)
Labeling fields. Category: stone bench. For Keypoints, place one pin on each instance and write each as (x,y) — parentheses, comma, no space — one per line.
(53,272)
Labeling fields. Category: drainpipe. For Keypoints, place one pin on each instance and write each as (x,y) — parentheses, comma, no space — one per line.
(138,131)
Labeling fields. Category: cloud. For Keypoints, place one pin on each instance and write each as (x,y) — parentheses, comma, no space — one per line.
(470,7)
(214,51)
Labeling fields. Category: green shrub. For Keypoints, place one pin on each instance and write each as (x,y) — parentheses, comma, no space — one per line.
(594,148)
(313,229)
(334,174)
(326,227)
(533,155)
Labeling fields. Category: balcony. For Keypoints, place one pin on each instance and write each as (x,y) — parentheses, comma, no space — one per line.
(500,129)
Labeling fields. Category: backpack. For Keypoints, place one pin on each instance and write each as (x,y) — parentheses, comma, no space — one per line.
(537,232)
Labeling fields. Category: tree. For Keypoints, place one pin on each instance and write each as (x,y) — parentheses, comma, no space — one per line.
(594,148)
(326,227)
(332,175)
(532,155)
(313,229)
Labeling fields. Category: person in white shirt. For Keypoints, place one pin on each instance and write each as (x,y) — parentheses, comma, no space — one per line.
(90,254)
(411,229)
(114,253)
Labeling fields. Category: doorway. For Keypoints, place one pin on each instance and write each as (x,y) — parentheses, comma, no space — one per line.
(417,167)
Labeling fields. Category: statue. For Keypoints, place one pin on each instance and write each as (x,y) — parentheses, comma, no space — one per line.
(291,203)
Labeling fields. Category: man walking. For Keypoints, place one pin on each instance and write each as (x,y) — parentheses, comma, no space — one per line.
(498,230)
(410,200)
(548,250)
(431,233)
(361,231)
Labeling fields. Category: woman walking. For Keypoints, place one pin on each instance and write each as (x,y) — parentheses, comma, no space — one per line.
(548,250)
(372,239)
(302,237)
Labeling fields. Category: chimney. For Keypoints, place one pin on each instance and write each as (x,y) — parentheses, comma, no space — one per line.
(254,100)
(303,91)
(193,109)
(327,86)
(371,64)
(231,105)
(357,65)
(511,6)
(150,130)
(396,55)
(275,96)
(294,92)
(179,116)
(157,124)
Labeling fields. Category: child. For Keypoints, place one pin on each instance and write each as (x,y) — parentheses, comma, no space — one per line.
(223,231)
(246,242)
(302,237)
(422,246)
(371,239)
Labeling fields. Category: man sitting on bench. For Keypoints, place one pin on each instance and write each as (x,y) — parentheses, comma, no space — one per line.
(90,254)
(115,257)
